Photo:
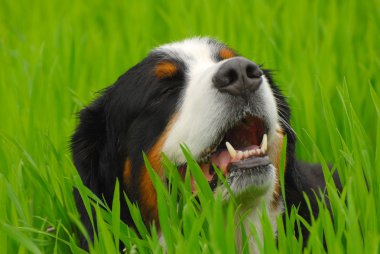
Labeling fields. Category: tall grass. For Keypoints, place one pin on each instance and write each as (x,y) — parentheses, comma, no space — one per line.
(55,55)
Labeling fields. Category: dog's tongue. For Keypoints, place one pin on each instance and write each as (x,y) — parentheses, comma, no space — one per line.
(222,159)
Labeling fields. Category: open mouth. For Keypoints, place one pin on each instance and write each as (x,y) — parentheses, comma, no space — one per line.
(240,150)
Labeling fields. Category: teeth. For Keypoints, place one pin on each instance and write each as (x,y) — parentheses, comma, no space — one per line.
(240,155)
(231,150)
(264,144)
(236,154)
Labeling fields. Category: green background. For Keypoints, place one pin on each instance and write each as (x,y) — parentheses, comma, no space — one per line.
(55,56)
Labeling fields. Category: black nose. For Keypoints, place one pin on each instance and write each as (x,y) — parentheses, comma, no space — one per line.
(238,76)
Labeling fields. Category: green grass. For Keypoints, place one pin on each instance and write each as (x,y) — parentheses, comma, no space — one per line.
(55,55)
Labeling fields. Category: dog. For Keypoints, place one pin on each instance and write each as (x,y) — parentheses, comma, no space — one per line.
(200,93)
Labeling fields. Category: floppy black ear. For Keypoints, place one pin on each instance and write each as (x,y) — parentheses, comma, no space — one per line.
(88,142)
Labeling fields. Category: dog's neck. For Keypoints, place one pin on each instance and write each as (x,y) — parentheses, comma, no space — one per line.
(253,227)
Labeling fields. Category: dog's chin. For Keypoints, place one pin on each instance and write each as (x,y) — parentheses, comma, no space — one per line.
(251,180)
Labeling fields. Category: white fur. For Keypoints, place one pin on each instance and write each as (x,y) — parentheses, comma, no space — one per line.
(251,209)
(253,222)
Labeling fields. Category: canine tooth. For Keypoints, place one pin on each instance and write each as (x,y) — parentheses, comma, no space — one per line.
(239,155)
(231,150)
(264,144)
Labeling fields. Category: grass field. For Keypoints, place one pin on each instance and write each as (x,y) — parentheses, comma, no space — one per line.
(55,55)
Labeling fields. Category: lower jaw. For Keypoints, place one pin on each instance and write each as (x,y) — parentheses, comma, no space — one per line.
(250,185)
(251,177)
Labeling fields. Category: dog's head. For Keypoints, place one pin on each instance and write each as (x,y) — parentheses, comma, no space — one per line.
(200,93)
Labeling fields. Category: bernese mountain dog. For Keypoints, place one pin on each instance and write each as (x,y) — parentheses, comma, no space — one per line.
(198,92)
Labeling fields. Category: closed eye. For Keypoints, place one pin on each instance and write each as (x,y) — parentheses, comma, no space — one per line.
(169,90)
(165,93)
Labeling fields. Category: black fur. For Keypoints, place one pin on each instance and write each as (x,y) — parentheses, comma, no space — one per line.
(124,121)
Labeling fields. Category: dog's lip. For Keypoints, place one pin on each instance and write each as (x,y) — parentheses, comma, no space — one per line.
(248,164)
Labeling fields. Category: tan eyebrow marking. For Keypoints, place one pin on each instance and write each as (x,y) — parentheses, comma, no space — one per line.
(226,53)
(165,69)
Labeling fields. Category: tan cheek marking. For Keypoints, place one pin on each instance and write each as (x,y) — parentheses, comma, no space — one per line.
(165,69)
(127,172)
(148,193)
(275,156)
(275,150)
(226,53)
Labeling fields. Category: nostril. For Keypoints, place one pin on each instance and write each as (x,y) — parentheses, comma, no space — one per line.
(231,75)
(253,71)
(225,77)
